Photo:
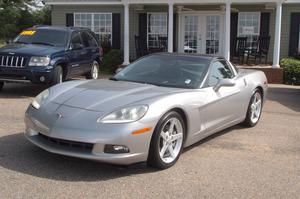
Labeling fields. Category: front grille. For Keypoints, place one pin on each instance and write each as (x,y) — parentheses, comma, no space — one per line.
(81,146)
(12,61)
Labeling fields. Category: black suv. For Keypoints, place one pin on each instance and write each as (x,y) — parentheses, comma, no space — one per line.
(50,55)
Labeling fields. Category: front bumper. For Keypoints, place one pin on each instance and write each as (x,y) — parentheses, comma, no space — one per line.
(26,74)
(88,144)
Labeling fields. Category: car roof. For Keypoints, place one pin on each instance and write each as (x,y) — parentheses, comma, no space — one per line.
(203,56)
(62,28)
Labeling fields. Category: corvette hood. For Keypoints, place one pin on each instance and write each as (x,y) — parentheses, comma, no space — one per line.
(105,95)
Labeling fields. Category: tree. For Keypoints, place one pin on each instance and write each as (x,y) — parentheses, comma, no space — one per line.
(16,15)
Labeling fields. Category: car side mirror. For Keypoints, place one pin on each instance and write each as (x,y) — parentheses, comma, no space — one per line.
(119,70)
(76,46)
(10,41)
(224,83)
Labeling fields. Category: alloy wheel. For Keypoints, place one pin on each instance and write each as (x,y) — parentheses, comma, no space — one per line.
(171,140)
(256,107)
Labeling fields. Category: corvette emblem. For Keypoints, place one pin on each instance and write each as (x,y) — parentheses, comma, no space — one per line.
(59,116)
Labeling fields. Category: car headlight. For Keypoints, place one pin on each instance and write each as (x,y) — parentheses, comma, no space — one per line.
(39,61)
(125,115)
(40,99)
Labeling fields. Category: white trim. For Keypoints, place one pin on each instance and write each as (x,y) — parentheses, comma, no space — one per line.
(170,28)
(227,31)
(126,35)
(190,2)
(276,55)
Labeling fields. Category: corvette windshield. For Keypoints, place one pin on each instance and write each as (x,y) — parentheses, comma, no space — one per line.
(166,70)
(42,37)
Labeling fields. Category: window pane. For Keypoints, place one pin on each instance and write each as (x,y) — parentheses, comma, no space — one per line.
(157,27)
(100,23)
(249,26)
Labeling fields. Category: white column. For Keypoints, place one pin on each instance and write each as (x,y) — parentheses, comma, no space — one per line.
(276,55)
(126,34)
(227,30)
(170,28)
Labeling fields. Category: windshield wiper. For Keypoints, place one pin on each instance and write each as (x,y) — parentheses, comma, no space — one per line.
(43,43)
(113,79)
(20,42)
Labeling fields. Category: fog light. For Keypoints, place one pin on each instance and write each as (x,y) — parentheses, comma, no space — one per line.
(42,78)
(115,149)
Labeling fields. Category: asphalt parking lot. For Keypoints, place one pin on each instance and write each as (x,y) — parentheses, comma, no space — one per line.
(261,162)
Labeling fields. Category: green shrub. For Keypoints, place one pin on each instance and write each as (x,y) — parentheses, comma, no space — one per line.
(291,70)
(112,60)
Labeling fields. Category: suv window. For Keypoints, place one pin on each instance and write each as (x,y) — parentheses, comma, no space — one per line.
(76,39)
(88,40)
(219,70)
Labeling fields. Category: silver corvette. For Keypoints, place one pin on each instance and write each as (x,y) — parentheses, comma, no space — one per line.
(149,111)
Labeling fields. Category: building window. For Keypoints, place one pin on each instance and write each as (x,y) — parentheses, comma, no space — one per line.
(249,26)
(157,30)
(100,23)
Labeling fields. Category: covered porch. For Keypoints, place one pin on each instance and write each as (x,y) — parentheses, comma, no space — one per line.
(203,27)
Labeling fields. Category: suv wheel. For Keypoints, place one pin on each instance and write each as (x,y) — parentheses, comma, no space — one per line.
(57,76)
(94,72)
(1,85)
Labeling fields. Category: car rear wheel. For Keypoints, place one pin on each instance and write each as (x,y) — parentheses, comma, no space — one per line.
(167,141)
(57,75)
(1,85)
(254,109)
(94,72)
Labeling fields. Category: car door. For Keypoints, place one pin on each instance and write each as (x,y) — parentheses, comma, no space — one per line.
(224,106)
(76,54)
(90,46)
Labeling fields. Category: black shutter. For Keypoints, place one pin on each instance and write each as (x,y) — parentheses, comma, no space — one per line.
(174,32)
(233,31)
(143,28)
(294,34)
(264,24)
(69,19)
(116,30)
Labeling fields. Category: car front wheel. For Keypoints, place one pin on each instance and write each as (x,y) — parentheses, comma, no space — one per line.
(94,72)
(167,141)
(57,75)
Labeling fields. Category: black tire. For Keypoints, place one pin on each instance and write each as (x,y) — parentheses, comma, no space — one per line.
(248,122)
(90,74)
(154,159)
(57,75)
(1,85)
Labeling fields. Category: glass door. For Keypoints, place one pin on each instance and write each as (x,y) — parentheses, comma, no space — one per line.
(191,29)
(202,34)
(212,37)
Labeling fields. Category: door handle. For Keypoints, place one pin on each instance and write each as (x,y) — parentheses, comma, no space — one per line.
(75,65)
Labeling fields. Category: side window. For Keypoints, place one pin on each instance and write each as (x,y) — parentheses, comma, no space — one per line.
(88,40)
(76,40)
(219,70)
